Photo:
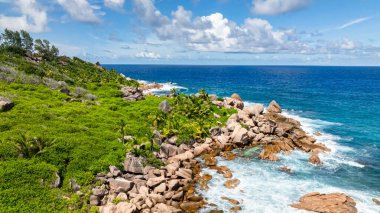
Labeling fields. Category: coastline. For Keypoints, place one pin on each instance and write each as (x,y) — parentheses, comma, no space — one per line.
(185,159)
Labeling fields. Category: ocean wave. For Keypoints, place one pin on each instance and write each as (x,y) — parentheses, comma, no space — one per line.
(339,154)
(263,188)
(166,88)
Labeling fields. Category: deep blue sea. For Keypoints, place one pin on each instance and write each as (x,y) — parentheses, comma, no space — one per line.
(343,103)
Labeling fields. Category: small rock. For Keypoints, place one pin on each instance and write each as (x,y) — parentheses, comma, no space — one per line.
(133,164)
(160,188)
(376,201)
(74,186)
(285,169)
(57,181)
(232,201)
(215,131)
(232,183)
(94,200)
(168,150)
(173,140)
(165,106)
(99,192)
(184,173)
(115,171)
(235,208)
(314,159)
(317,133)
(5,104)
(210,160)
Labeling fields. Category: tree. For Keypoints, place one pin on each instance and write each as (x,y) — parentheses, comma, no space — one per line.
(12,42)
(47,52)
(17,42)
(26,41)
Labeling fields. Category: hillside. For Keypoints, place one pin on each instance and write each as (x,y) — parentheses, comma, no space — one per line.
(68,123)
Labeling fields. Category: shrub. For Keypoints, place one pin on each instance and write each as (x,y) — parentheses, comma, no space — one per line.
(31,69)
(91,97)
(79,92)
(51,83)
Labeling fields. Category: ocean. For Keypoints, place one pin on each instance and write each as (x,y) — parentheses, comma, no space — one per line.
(343,103)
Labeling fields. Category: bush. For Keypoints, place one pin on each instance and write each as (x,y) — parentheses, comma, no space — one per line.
(31,69)
(79,92)
(91,97)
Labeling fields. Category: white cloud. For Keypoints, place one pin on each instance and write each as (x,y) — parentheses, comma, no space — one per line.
(114,4)
(347,44)
(275,7)
(353,22)
(80,10)
(148,54)
(33,17)
(215,32)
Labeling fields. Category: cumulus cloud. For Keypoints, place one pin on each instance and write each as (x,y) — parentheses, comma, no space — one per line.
(275,7)
(347,44)
(148,55)
(80,10)
(32,18)
(215,32)
(114,4)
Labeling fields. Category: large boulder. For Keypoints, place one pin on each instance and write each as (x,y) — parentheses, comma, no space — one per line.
(133,164)
(5,104)
(168,150)
(153,182)
(181,157)
(132,94)
(240,135)
(163,208)
(274,107)
(165,106)
(328,203)
(254,110)
(236,97)
(120,185)
(235,101)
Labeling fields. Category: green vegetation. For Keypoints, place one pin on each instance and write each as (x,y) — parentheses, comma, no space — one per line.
(70,119)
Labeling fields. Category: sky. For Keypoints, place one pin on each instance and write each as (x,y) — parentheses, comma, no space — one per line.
(204,32)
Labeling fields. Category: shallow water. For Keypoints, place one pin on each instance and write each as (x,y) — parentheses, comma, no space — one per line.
(343,103)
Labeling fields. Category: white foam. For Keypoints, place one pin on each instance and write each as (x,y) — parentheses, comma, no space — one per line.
(266,189)
(166,88)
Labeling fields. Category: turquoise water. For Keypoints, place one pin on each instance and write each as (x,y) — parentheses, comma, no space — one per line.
(341,102)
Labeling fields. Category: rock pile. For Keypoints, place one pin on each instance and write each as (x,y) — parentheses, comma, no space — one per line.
(171,188)
(5,104)
(275,132)
(233,102)
(328,203)
(132,94)
(140,188)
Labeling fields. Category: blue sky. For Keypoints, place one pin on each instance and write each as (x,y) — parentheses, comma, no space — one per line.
(269,32)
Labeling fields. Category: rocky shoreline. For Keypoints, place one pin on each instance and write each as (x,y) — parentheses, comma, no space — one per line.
(172,188)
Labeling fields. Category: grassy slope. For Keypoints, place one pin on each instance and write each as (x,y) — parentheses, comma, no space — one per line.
(85,134)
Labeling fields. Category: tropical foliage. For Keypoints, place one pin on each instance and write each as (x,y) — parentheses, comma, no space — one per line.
(69,120)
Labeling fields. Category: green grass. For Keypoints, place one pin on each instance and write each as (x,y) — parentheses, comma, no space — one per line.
(48,131)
